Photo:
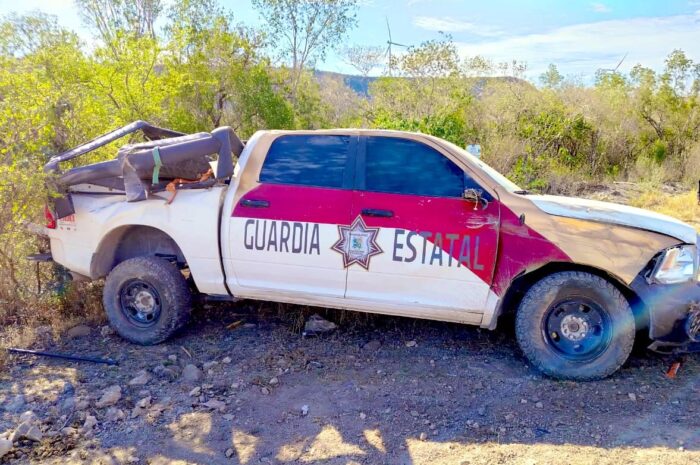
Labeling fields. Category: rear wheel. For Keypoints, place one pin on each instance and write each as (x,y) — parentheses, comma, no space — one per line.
(575,325)
(147,299)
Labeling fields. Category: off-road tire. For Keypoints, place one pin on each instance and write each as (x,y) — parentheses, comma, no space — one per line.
(172,287)
(551,289)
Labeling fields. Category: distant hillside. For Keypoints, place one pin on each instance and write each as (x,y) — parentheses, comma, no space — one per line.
(361,84)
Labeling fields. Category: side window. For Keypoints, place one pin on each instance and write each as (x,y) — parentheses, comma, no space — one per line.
(404,166)
(307,160)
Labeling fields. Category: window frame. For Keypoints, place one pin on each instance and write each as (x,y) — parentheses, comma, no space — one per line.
(361,168)
(349,170)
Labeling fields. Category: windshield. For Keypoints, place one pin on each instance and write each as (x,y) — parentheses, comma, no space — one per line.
(504,182)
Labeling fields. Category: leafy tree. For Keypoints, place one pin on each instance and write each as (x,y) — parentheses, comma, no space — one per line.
(551,78)
(304,30)
(110,17)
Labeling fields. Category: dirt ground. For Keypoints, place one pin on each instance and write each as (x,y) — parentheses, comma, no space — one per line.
(378,390)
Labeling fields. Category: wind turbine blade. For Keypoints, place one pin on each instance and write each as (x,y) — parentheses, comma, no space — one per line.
(623,59)
(387,27)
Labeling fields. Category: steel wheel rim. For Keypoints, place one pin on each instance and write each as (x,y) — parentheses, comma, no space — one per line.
(140,303)
(577,329)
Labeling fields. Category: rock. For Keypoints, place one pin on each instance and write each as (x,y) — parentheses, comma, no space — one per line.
(372,346)
(110,396)
(481,411)
(423,436)
(215,405)
(82,405)
(164,372)
(16,404)
(226,360)
(5,447)
(196,392)
(155,411)
(539,405)
(68,404)
(69,431)
(90,423)
(632,396)
(316,324)
(132,459)
(274,381)
(27,431)
(363,415)
(304,410)
(141,407)
(265,391)
(228,417)
(106,331)
(68,388)
(141,378)
(114,414)
(411,344)
(44,332)
(208,365)
(191,373)
(172,357)
(229,453)
(78,331)
(28,417)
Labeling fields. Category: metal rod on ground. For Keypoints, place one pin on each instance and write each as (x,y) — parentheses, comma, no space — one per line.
(106,361)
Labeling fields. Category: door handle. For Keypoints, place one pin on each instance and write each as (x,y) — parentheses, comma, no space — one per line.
(255,203)
(377,213)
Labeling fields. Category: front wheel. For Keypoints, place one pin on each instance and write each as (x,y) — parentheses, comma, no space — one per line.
(146,299)
(575,325)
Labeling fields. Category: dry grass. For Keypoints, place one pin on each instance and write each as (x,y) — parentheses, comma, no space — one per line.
(49,316)
(684,206)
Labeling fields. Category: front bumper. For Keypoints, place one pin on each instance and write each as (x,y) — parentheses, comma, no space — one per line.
(673,311)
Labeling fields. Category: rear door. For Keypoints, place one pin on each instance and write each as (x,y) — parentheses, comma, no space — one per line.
(283,227)
(431,247)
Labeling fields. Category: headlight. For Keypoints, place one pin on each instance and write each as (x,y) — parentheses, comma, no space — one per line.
(677,265)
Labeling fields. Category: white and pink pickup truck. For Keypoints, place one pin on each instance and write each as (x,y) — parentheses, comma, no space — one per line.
(369,220)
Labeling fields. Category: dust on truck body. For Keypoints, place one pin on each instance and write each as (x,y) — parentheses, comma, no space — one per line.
(378,221)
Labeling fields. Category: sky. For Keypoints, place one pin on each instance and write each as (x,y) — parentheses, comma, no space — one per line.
(578,36)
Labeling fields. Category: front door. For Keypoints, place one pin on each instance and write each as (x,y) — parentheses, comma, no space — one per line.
(284,227)
(428,246)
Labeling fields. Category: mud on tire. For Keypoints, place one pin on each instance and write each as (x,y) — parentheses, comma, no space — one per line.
(147,300)
(565,313)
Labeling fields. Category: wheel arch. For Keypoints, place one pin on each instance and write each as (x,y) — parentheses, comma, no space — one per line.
(130,241)
(521,283)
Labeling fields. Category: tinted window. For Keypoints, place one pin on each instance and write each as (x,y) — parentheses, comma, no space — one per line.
(307,160)
(404,166)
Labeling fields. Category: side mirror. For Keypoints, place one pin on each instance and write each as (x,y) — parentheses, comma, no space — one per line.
(476,196)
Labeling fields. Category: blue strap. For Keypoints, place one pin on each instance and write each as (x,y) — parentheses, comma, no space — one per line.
(157,164)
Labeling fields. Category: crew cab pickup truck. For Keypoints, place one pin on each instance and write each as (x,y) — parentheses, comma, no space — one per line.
(376,221)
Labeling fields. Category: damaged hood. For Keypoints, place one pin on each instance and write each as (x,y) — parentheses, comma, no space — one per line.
(606,212)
